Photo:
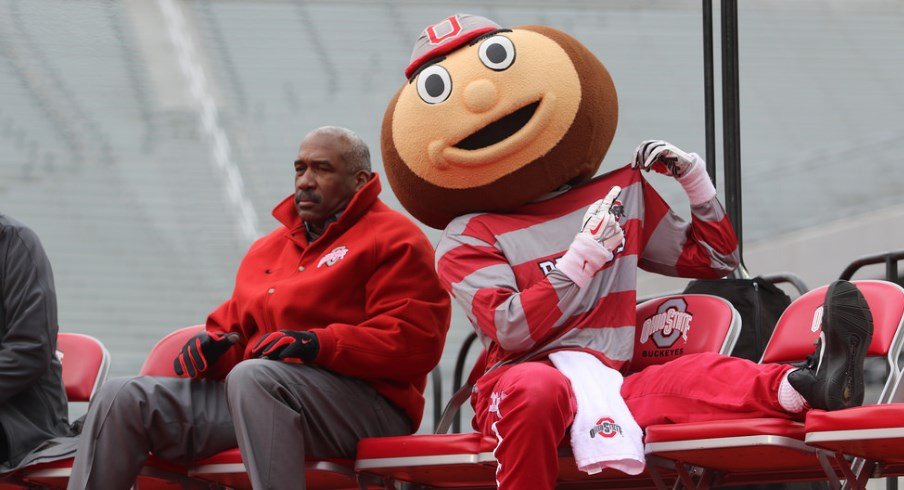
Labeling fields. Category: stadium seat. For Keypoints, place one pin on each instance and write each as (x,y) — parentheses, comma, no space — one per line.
(872,433)
(467,461)
(85,362)
(160,360)
(765,450)
(158,473)
(227,468)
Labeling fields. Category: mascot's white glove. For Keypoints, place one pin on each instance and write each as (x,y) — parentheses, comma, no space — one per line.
(688,168)
(602,224)
(600,238)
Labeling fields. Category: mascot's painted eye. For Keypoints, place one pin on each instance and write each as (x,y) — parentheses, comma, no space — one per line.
(434,84)
(497,53)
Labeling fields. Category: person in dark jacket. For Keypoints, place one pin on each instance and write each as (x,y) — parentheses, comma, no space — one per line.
(32,398)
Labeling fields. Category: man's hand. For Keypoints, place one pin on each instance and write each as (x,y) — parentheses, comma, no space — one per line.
(663,157)
(602,224)
(201,351)
(288,346)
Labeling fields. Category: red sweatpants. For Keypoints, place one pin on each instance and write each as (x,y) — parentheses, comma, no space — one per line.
(528,407)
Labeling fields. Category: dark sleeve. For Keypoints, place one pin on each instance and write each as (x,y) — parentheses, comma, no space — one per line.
(30,312)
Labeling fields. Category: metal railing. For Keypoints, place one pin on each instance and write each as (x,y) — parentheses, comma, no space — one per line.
(890,259)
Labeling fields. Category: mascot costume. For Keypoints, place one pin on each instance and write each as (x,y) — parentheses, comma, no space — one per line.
(495,138)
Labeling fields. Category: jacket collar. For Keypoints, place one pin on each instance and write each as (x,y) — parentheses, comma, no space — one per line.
(285,212)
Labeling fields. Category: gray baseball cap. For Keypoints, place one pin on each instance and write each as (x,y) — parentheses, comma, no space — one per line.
(446,36)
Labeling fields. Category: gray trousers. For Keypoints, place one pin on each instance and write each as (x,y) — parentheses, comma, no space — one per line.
(276,412)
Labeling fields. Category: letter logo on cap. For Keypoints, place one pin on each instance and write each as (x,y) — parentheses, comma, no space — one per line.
(443,30)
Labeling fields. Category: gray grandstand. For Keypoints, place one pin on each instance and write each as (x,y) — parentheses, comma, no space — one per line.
(146,141)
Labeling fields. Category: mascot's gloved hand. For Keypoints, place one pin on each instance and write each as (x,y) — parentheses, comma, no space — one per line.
(600,238)
(601,223)
(688,168)
(201,351)
(288,346)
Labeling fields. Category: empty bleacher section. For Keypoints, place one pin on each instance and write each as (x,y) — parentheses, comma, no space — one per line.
(119,186)
(102,154)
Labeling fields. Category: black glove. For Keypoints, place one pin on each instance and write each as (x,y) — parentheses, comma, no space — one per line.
(288,346)
(201,351)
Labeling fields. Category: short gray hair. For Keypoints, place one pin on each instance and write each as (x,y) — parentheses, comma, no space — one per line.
(356,154)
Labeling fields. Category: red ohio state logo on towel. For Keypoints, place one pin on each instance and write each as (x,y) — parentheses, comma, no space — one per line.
(605,427)
(333,256)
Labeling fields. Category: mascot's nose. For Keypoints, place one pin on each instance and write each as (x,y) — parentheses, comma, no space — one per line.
(480,95)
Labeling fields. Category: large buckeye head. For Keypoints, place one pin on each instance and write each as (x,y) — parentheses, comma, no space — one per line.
(493,118)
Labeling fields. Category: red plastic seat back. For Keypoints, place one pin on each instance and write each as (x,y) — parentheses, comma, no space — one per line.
(85,363)
(799,326)
(160,359)
(673,326)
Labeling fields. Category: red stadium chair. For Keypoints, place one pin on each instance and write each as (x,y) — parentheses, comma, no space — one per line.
(872,433)
(227,468)
(85,363)
(160,360)
(765,450)
(81,381)
(159,473)
(716,323)
(466,460)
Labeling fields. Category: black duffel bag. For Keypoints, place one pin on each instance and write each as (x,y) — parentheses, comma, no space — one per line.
(759,303)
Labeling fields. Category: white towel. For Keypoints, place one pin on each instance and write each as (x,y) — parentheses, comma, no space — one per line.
(604,433)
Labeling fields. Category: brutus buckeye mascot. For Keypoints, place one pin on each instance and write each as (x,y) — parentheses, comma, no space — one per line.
(495,138)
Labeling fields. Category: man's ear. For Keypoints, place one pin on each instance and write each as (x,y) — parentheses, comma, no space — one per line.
(361,178)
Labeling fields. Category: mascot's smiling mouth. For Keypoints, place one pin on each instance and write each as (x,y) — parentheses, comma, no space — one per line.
(497,140)
(500,129)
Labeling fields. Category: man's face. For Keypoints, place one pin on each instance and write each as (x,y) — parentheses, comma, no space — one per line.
(323,185)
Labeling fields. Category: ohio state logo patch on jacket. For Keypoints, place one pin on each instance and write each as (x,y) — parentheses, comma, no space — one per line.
(333,256)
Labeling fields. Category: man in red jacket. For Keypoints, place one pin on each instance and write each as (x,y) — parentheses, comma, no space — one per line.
(336,319)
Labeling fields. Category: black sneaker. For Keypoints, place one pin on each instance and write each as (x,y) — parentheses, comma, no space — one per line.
(832,379)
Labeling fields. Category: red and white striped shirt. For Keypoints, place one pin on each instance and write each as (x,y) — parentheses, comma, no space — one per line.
(500,267)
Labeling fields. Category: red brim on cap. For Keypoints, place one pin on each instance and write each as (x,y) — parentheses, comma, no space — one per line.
(445,48)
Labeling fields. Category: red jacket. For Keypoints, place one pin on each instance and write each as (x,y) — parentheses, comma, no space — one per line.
(366,287)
